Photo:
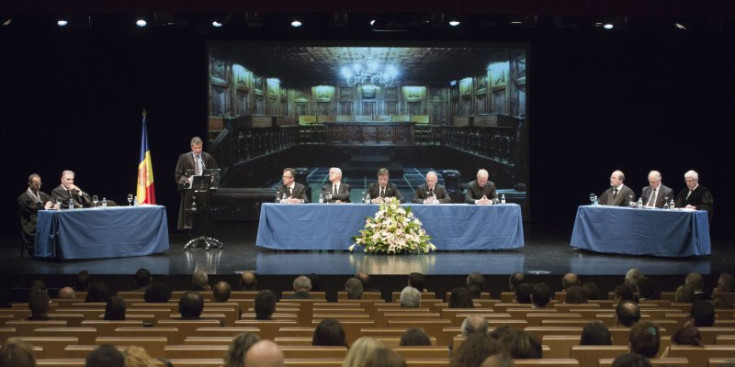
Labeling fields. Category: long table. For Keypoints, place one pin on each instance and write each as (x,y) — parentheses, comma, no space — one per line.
(631,231)
(452,227)
(101,233)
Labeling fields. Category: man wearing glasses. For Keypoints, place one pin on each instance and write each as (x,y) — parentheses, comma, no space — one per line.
(290,191)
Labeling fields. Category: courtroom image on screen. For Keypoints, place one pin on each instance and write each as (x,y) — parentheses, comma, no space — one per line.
(373,105)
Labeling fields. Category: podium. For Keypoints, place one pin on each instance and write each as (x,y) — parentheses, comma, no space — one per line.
(198,207)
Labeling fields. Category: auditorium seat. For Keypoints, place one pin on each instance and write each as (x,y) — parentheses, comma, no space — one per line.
(503,307)
(725,340)
(176,295)
(60,362)
(53,346)
(721,362)
(418,316)
(709,334)
(535,318)
(293,340)
(565,307)
(661,362)
(195,351)
(7,332)
(567,322)
(196,362)
(396,296)
(551,362)
(483,295)
(275,316)
(352,328)
(84,335)
(170,333)
(395,341)
(153,345)
(131,295)
(365,295)
(496,317)
(268,329)
(187,327)
(588,355)
(311,362)
(231,331)
(432,327)
(311,351)
(560,346)
(440,351)
(698,356)
(208,340)
(25,327)
(296,331)
(541,331)
(107,327)
(72,319)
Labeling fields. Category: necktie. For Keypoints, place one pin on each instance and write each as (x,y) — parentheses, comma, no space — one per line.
(382,192)
(431,192)
(689,193)
(652,199)
(198,160)
(615,192)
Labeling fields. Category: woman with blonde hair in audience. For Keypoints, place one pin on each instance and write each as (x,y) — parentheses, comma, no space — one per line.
(138,357)
(360,350)
(17,353)
(239,346)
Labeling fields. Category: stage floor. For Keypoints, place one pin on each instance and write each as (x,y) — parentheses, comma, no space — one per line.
(547,252)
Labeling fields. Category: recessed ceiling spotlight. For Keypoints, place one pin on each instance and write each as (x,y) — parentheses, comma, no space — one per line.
(372,22)
(454,23)
(62,22)
(7,22)
(141,23)
(296,23)
(680,26)
(608,26)
(216,24)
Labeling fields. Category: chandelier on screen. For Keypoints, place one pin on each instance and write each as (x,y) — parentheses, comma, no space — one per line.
(370,74)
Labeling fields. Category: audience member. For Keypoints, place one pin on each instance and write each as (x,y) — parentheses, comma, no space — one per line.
(105,356)
(82,281)
(683,294)
(157,293)
(695,281)
(460,298)
(631,360)
(702,313)
(475,349)
(329,332)
(516,279)
(359,351)
(632,277)
(595,333)
(200,281)
(647,289)
(301,287)
(235,356)
(725,283)
(523,292)
(475,278)
(520,344)
(474,324)
(591,291)
(575,294)
(221,291)
(418,281)
(721,303)
(191,305)
(137,357)
(414,337)
(67,293)
(37,285)
(410,297)
(498,360)
(627,313)
(353,287)
(97,292)
(541,295)
(624,292)
(569,279)
(384,357)
(265,305)
(143,279)
(365,279)
(644,339)
(38,304)
(264,353)
(115,309)
(248,281)
(687,335)
(17,353)
(475,291)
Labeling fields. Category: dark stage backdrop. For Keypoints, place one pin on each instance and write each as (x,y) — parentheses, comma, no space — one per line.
(599,101)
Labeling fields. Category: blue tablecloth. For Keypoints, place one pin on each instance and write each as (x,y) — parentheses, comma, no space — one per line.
(332,226)
(658,232)
(99,233)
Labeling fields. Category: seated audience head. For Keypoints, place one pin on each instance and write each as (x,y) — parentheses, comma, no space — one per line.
(474,324)
(38,304)
(624,292)
(520,344)
(541,295)
(364,279)
(647,289)
(702,313)
(475,278)
(475,291)
(417,280)
(384,357)
(628,313)
(138,357)
(264,304)
(248,282)
(354,289)
(575,294)
(633,276)
(157,293)
(695,281)
(302,283)
(82,281)
(644,339)
(329,332)
(200,281)
(516,279)
(595,333)
(221,291)
(498,360)
(569,279)
(523,292)
(683,294)
(410,297)
(725,283)
(191,305)
(360,350)
(687,335)
(38,285)
(239,346)
(500,331)
(17,353)
(97,292)
(631,360)
(460,298)
(143,278)
(474,350)
(415,336)
(264,353)
(67,293)
(105,356)
(115,309)
(591,291)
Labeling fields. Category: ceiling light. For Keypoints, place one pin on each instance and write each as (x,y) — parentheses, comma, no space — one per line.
(216,24)
(141,23)
(608,26)
(680,26)
(372,22)
(7,22)
(296,23)
(453,23)
(62,22)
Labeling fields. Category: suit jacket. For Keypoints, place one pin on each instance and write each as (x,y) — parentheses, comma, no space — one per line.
(701,198)
(185,167)
(299,294)
(440,192)
(28,207)
(621,199)
(390,191)
(475,192)
(299,192)
(663,193)
(343,194)
(80,201)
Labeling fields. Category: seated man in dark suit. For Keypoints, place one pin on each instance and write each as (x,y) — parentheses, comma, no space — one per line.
(694,196)
(618,194)
(377,191)
(431,192)
(481,191)
(29,203)
(290,191)
(656,194)
(339,191)
(68,191)
(301,287)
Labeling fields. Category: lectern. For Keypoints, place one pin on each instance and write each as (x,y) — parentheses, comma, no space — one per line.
(198,206)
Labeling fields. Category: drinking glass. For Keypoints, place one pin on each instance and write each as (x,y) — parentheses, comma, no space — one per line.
(592,198)
(329,197)
(58,203)
(130,199)
(95,199)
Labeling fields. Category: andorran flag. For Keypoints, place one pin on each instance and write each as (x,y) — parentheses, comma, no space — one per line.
(145,194)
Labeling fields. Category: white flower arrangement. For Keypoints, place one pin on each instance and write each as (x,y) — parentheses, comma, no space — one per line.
(393,230)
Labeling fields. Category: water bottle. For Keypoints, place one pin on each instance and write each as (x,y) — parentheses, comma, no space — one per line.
(279,197)
(672,206)
(321,198)
(640,203)
(135,200)
(193,206)
(366,197)
(666,205)
(71,204)
(104,202)
(502,199)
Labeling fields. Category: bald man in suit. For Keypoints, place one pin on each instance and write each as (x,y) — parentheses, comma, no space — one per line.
(656,194)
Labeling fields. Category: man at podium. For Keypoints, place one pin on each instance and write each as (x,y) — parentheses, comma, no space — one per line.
(191,164)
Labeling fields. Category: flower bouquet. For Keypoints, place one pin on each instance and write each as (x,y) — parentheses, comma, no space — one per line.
(393,230)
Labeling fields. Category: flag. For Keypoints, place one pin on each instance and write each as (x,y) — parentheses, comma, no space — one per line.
(146,193)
